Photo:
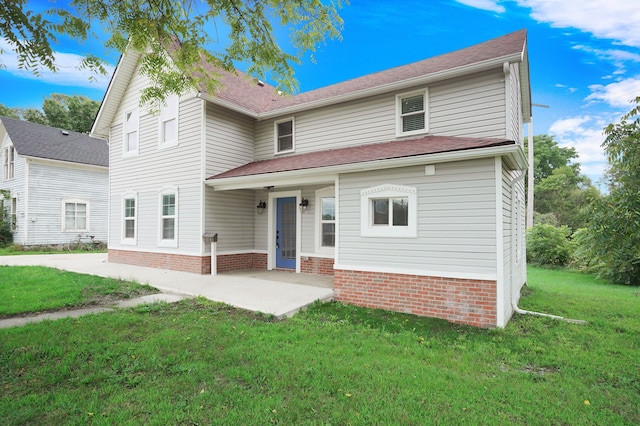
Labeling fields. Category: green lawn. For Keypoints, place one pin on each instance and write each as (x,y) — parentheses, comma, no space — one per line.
(197,362)
(32,289)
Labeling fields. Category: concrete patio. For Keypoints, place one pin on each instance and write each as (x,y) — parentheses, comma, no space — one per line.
(279,293)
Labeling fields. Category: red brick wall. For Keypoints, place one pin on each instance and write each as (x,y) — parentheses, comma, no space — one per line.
(176,262)
(463,301)
(316,265)
(236,262)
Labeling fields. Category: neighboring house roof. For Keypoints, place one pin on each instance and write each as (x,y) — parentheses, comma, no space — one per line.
(364,153)
(261,101)
(39,141)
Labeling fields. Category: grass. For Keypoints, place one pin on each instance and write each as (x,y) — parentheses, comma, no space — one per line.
(196,362)
(33,289)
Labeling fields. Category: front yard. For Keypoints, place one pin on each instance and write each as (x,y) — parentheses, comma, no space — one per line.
(197,362)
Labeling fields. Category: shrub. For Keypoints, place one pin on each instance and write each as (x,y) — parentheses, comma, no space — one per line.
(6,237)
(549,245)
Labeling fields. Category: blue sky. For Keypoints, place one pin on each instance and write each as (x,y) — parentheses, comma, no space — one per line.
(584,57)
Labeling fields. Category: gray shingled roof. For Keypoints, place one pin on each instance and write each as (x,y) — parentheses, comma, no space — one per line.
(36,140)
(243,91)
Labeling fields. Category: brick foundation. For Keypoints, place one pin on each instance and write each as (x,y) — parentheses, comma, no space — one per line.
(240,261)
(316,265)
(463,301)
(176,262)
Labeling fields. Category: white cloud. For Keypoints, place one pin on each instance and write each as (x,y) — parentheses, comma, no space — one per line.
(585,134)
(617,94)
(612,19)
(491,5)
(564,86)
(616,56)
(68,73)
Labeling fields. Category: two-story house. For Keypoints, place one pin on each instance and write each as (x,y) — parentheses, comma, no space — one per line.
(406,185)
(57,183)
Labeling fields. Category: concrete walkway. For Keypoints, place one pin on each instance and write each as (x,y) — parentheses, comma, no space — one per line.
(278,293)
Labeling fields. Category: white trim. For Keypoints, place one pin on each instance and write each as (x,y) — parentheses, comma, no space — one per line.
(27,176)
(336,185)
(322,174)
(271,234)
(162,242)
(318,255)
(156,250)
(388,191)
(67,164)
(170,110)
(76,200)
(500,284)
(6,165)
(419,272)
(123,240)
(232,252)
(203,175)
(328,191)
(399,122)
(276,136)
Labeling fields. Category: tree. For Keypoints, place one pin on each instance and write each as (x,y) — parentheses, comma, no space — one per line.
(5,111)
(70,112)
(548,155)
(613,238)
(180,28)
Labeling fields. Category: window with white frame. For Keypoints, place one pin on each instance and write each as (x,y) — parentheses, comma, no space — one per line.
(284,131)
(9,161)
(326,220)
(389,211)
(131,133)
(13,214)
(412,113)
(129,219)
(169,122)
(168,231)
(75,215)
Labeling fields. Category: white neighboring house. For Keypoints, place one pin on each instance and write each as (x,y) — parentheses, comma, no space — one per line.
(405,185)
(58,183)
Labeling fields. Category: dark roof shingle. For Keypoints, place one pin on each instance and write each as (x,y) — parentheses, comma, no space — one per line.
(246,93)
(37,140)
(360,154)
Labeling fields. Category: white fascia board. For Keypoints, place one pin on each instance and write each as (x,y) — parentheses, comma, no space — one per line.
(98,129)
(328,173)
(66,164)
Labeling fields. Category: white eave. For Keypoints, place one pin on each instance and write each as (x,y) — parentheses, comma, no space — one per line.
(514,155)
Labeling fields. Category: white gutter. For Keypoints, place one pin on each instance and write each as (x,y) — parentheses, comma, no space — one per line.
(514,304)
(398,85)
(328,172)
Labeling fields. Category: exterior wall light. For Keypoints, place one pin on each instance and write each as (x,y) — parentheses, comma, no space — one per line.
(304,203)
(261,206)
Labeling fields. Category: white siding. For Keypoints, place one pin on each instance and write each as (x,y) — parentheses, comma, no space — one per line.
(230,140)
(470,107)
(456,220)
(153,170)
(231,214)
(49,184)
(514,124)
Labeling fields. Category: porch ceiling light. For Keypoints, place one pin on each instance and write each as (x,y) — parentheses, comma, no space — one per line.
(261,206)
(304,203)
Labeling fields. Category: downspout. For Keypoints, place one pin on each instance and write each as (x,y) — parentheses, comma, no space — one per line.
(514,304)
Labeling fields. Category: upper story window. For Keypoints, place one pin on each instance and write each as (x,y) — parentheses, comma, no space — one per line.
(389,211)
(9,160)
(412,113)
(76,215)
(169,122)
(131,133)
(284,135)
(13,214)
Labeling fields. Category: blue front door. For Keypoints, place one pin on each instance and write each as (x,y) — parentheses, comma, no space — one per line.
(286,233)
